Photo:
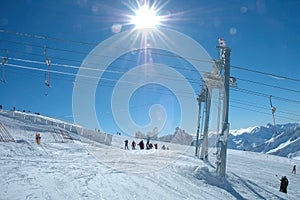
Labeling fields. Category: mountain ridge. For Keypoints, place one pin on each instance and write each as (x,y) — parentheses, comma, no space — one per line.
(284,142)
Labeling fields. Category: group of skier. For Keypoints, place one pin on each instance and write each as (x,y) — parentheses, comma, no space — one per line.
(284,182)
(141,144)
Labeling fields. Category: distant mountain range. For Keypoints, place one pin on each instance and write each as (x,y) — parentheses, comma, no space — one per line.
(285,142)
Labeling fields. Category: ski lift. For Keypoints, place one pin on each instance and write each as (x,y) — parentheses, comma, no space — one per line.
(4,61)
(47,76)
(273,109)
(232,82)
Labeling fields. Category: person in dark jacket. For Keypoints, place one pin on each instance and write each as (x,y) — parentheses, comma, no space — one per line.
(126,144)
(141,144)
(294,169)
(284,182)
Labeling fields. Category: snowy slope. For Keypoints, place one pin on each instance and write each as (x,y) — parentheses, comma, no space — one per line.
(83,169)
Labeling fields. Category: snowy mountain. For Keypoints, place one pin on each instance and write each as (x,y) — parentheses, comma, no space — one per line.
(77,167)
(285,142)
(179,137)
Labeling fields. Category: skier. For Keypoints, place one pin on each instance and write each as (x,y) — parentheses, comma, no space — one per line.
(141,144)
(147,146)
(133,145)
(294,169)
(283,184)
(148,143)
(38,138)
(150,146)
(126,144)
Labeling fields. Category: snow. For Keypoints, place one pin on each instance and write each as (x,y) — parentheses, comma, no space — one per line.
(84,169)
(241,131)
(38,116)
(285,142)
(281,146)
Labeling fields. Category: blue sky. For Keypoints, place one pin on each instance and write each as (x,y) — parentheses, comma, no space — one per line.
(264,36)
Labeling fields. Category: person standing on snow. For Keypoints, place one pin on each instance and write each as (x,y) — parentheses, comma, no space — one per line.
(141,144)
(126,144)
(133,144)
(38,138)
(294,169)
(148,143)
(284,182)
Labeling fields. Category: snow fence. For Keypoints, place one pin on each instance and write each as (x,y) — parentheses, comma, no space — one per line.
(97,136)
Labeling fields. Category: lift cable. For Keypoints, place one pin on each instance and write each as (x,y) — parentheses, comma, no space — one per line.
(269,85)
(71,74)
(236,89)
(114,67)
(265,113)
(79,75)
(264,95)
(93,44)
(121,72)
(268,74)
(104,46)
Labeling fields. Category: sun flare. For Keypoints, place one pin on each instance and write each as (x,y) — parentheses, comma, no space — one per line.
(145,17)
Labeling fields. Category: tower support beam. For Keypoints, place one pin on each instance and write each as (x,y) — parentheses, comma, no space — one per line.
(221,168)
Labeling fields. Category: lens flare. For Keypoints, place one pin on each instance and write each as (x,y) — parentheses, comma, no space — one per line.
(145,17)
(116,28)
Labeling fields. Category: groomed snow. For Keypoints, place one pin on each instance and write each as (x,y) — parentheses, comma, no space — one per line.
(82,169)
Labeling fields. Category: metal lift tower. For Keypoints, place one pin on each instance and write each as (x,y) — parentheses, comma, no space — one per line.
(219,79)
(222,142)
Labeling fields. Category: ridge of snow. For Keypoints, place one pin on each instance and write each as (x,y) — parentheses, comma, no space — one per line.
(236,132)
(281,146)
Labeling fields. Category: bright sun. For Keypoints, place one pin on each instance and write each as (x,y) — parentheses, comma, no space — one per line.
(145,17)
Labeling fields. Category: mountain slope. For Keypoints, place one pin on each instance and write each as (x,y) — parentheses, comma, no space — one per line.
(285,142)
(84,169)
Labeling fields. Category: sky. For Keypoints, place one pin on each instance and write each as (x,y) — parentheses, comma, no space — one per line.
(263,37)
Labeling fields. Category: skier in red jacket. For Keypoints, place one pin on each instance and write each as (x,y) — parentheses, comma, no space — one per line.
(133,144)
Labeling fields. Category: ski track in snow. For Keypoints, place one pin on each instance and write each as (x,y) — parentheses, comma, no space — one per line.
(85,169)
